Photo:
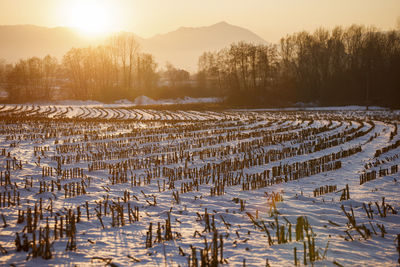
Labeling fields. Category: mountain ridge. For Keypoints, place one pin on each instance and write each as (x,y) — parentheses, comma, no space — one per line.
(181,47)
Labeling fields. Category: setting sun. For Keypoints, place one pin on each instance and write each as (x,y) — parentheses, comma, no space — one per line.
(91,17)
(199,133)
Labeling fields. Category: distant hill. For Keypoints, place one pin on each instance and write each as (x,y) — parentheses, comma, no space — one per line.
(184,46)
(22,41)
(181,47)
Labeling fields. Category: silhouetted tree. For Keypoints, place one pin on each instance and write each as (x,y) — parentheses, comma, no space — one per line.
(357,65)
(32,79)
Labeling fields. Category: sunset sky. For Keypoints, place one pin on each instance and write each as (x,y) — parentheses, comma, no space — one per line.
(269,19)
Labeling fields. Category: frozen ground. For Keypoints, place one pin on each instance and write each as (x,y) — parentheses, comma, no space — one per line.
(139,101)
(225,179)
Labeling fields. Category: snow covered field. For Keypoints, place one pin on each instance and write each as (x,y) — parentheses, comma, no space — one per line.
(138,101)
(114,185)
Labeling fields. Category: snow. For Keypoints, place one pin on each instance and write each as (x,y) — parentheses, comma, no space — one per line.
(3,94)
(140,134)
(321,108)
(144,100)
(140,100)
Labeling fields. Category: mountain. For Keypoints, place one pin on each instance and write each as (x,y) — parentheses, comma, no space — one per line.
(184,46)
(23,41)
(181,47)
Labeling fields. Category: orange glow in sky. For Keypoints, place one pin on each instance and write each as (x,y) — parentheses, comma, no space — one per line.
(90,17)
(271,19)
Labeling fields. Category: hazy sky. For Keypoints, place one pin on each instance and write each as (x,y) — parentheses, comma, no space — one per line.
(269,19)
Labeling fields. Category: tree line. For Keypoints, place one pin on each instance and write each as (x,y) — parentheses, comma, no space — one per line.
(107,72)
(355,65)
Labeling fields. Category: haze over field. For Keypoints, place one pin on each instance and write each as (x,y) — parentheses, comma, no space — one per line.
(181,47)
(199,133)
(176,31)
(262,53)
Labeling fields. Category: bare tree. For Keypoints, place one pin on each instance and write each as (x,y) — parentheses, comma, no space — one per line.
(125,51)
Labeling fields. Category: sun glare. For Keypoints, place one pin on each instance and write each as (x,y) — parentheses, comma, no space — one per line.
(91,17)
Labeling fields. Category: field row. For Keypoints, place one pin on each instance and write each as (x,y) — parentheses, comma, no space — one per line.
(94,185)
(117,113)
